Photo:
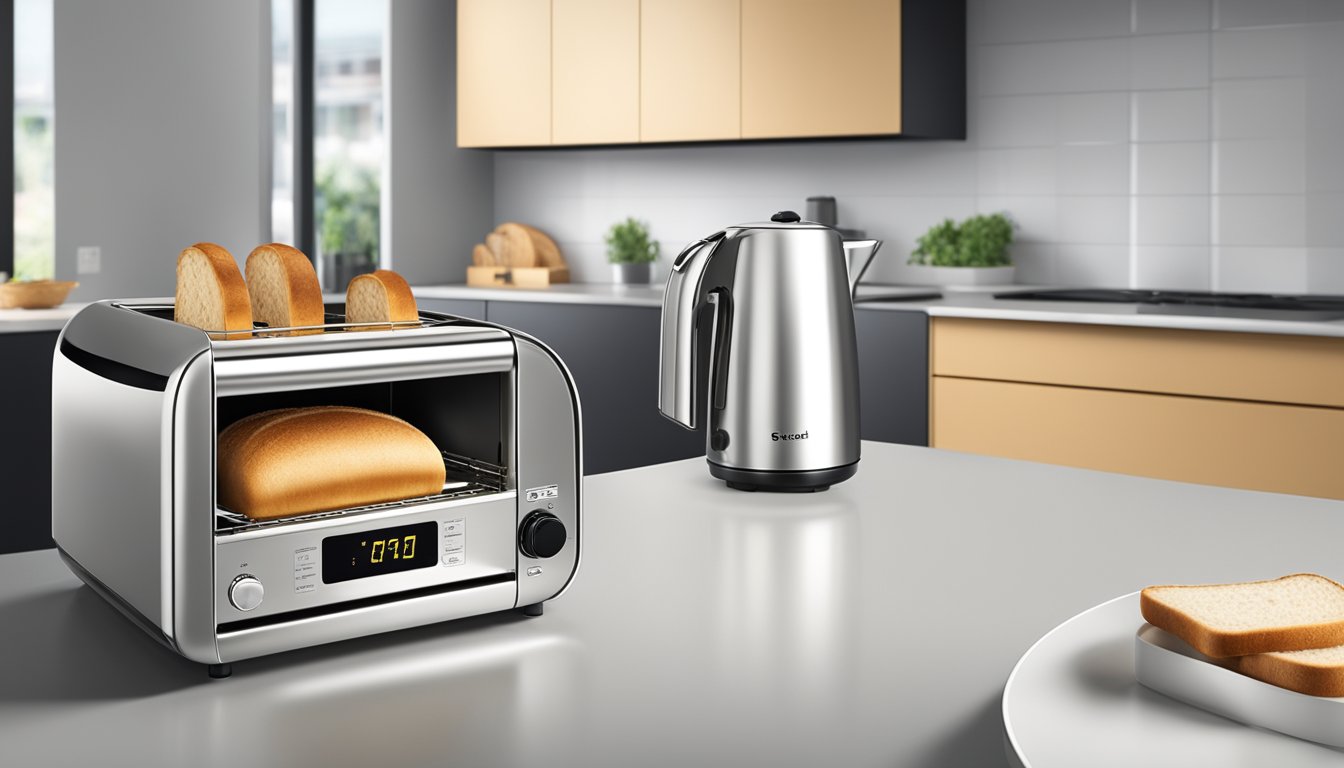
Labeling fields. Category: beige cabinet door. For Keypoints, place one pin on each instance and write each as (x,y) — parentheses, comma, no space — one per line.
(1259,446)
(690,70)
(503,73)
(820,68)
(596,71)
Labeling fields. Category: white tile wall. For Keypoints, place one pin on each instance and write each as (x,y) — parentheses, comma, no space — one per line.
(1150,143)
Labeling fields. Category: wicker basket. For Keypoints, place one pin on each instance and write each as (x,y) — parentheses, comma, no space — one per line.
(35,294)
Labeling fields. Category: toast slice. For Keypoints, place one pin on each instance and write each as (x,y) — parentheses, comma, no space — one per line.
(211,294)
(1315,672)
(380,297)
(284,288)
(1294,613)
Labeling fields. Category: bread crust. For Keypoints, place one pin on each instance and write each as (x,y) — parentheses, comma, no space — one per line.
(295,461)
(1221,643)
(1294,674)
(284,288)
(223,294)
(380,296)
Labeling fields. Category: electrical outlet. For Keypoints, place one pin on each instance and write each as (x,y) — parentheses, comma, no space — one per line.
(88,260)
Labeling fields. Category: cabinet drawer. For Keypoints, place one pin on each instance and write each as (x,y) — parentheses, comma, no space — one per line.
(1269,368)
(1259,446)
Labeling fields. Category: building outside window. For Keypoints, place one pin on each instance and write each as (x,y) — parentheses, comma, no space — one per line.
(34,151)
(348,145)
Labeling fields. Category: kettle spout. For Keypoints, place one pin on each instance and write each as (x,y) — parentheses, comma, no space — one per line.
(858,255)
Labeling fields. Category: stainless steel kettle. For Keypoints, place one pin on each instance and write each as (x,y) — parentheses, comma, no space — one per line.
(777,300)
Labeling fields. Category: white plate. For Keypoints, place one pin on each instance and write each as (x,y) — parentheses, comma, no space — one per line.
(1166,664)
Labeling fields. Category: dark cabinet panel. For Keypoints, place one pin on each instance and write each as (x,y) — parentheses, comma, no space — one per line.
(460,307)
(612,351)
(894,375)
(25,440)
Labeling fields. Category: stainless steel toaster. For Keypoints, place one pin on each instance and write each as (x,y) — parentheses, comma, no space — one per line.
(138,402)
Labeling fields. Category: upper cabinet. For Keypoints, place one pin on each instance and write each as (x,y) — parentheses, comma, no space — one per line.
(820,68)
(503,73)
(575,72)
(690,76)
(595,71)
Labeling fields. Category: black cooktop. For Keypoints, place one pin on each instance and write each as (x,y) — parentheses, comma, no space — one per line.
(1267,306)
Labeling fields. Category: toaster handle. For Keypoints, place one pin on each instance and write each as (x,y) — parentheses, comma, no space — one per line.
(685,296)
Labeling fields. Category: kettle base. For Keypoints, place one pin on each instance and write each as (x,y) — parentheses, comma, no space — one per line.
(786,481)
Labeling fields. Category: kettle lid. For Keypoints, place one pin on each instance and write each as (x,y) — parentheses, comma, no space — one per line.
(783,220)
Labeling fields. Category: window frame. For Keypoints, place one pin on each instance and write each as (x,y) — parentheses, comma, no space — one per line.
(7,168)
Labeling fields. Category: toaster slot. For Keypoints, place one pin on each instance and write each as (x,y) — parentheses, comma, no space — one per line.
(468,418)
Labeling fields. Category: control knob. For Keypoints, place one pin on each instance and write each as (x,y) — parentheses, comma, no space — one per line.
(542,535)
(245,592)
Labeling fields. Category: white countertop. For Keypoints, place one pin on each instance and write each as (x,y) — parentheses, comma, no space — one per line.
(975,302)
(967,301)
(985,307)
(872,624)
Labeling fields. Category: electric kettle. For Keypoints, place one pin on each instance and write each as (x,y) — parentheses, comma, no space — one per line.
(775,301)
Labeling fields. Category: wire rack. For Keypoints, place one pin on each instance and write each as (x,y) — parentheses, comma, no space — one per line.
(467,477)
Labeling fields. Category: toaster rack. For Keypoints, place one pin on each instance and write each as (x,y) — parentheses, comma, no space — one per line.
(466,477)
(332,323)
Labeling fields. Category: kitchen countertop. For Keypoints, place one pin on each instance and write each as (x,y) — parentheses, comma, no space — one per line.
(872,624)
(605,293)
(55,318)
(964,301)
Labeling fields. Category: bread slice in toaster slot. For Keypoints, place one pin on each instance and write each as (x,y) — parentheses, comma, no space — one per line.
(295,461)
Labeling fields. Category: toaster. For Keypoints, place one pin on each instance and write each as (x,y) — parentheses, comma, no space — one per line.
(138,402)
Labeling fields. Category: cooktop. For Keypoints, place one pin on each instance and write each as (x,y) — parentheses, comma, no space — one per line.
(1265,306)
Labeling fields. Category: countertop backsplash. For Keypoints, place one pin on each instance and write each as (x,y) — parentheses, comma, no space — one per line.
(1137,143)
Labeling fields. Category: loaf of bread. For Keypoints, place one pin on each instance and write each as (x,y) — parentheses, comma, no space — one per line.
(284,288)
(379,297)
(1316,672)
(1294,613)
(211,294)
(295,461)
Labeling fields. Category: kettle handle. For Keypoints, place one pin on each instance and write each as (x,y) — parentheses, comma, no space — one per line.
(683,299)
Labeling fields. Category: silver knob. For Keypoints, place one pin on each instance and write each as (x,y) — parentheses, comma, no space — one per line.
(246,592)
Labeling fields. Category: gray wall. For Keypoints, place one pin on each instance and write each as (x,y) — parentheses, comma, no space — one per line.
(1154,143)
(162,112)
(440,199)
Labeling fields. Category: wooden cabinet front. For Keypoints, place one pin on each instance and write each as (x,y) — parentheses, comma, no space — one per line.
(595,66)
(821,68)
(503,73)
(1258,446)
(1244,410)
(690,70)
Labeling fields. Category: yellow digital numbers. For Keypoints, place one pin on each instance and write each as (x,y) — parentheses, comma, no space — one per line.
(399,547)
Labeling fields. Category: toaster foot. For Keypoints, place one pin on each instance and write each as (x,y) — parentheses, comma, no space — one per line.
(534,609)
(219,671)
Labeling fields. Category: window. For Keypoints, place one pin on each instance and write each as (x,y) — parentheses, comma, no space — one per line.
(348,136)
(342,145)
(34,154)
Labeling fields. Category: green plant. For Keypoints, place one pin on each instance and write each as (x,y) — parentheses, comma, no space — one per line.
(628,243)
(347,206)
(980,241)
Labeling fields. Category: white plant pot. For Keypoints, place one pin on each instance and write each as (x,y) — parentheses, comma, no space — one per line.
(922,274)
(631,274)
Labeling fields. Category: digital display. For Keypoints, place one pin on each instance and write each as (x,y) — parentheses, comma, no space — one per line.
(387,550)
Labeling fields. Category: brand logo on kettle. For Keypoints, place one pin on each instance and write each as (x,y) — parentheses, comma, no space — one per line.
(777,436)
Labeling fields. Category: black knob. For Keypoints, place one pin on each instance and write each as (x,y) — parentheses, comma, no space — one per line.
(542,535)
(785,217)
(718,440)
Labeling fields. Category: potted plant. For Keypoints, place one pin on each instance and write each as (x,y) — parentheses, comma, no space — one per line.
(974,252)
(630,251)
